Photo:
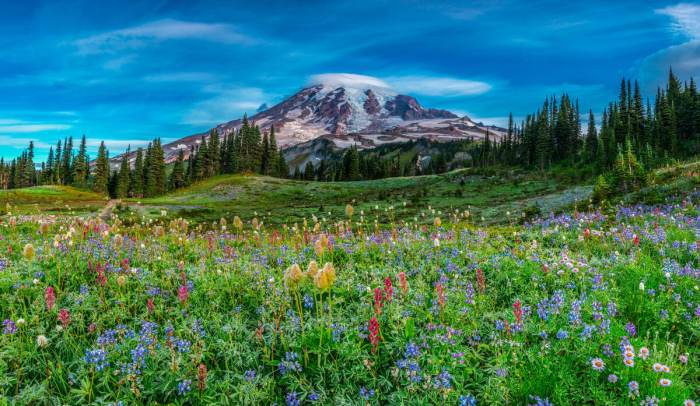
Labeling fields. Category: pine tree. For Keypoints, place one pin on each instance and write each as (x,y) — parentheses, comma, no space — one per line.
(591,138)
(265,156)
(148,178)
(213,163)
(282,167)
(47,172)
(122,190)
(81,166)
(136,181)
(66,170)
(201,160)
(58,165)
(28,170)
(177,176)
(352,164)
(158,168)
(273,155)
(101,181)
(309,172)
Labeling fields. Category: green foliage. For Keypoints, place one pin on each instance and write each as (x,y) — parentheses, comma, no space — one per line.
(417,311)
(101,178)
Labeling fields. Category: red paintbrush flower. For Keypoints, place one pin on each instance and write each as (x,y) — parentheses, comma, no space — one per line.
(402,282)
(441,294)
(101,278)
(49,298)
(518,311)
(202,377)
(182,294)
(388,289)
(64,317)
(374,333)
(480,280)
(378,301)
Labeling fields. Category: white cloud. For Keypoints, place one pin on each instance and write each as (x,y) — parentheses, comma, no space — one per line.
(350,80)
(409,84)
(20,142)
(438,86)
(683,58)
(686,16)
(16,126)
(160,30)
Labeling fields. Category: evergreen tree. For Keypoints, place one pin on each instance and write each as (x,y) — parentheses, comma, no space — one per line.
(309,173)
(101,181)
(591,138)
(66,169)
(158,168)
(273,155)
(177,176)
(265,156)
(47,172)
(212,161)
(28,169)
(123,177)
(282,167)
(80,168)
(136,182)
(58,165)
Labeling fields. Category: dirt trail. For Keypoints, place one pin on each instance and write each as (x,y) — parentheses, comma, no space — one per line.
(106,212)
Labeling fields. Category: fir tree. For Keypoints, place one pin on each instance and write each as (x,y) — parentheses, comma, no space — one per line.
(122,190)
(101,181)
(66,169)
(80,168)
(177,176)
(591,138)
(136,181)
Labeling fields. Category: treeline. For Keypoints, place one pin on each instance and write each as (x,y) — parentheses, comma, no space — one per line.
(247,150)
(635,136)
(413,158)
(63,167)
(667,130)
(144,173)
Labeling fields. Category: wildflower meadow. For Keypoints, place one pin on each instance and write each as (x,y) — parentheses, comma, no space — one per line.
(578,308)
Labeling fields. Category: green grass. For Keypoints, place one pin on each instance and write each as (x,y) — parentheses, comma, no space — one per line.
(56,199)
(281,200)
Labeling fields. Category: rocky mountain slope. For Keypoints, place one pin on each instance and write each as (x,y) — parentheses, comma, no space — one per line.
(349,113)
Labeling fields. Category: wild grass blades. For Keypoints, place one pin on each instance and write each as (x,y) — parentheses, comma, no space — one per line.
(585,308)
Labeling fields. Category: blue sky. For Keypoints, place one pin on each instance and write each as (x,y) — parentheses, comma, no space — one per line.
(127,72)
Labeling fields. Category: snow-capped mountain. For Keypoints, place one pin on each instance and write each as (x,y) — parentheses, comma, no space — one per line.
(350,109)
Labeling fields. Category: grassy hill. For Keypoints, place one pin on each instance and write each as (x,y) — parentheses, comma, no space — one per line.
(280,200)
(488,196)
(50,199)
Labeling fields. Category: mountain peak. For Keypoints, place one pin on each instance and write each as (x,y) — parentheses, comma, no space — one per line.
(345,106)
(351,82)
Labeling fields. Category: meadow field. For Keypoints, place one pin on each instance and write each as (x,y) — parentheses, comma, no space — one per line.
(378,303)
